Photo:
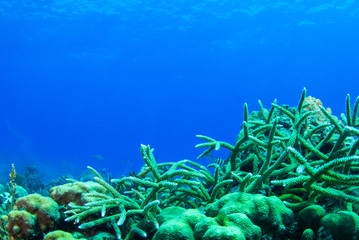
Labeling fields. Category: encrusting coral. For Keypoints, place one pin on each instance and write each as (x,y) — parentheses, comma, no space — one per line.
(289,170)
(21,225)
(32,216)
(60,235)
(75,192)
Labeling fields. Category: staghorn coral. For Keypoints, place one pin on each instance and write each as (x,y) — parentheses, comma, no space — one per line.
(295,153)
(296,158)
(303,155)
(129,213)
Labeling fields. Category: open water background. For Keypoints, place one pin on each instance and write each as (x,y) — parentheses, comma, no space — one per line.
(86,82)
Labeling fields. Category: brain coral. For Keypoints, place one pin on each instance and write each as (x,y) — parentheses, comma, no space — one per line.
(236,226)
(269,213)
(177,223)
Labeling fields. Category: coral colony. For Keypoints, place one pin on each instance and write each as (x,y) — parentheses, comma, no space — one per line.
(292,173)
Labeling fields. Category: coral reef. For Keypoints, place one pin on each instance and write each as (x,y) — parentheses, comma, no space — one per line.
(60,235)
(30,180)
(177,223)
(309,217)
(32,216)
(231,226)
(21,225)
(292,173)
(340,225)
(75,193)
(269,213)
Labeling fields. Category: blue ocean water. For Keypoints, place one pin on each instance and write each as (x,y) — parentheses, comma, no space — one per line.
(86,82)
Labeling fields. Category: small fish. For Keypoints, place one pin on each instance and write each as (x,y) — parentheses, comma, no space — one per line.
(220,161)
(98,157)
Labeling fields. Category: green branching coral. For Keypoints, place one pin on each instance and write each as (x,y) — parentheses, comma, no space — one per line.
(114,209)
(301,155)
(298,154)
(175,184)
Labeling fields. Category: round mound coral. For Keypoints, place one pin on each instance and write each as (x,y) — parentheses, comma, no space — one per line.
(60,235)
(21,225)
(45,209)
(177,223)
(269,213)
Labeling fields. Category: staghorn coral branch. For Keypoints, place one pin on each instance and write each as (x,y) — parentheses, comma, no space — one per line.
(348,111)
(218,187)
(330,165)
(333,193)
(355,112)
(285,111)
(212,144)
(147,155)
(333,120)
